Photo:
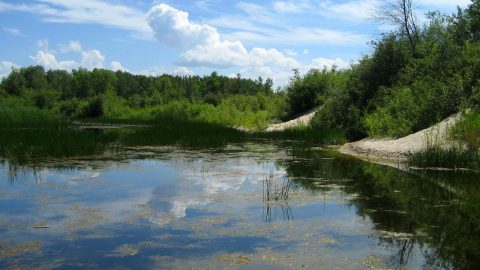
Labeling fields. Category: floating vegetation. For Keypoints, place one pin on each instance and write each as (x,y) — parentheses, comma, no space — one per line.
(6,251)
(234,259)
(84,217)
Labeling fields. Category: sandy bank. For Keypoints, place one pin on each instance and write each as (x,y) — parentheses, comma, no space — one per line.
(303,120)
(399,149)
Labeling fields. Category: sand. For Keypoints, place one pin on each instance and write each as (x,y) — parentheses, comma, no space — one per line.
(303,120)
(399,149)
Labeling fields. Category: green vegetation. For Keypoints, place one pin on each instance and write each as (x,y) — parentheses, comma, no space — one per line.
(309,135)
(468,129)
(453,157)
(29,117)
(110,96)
(418,205)
(414,77)
(464,154)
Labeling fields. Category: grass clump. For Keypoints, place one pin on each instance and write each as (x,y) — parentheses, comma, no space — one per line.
(309,134)
(29,117)
(452,158)
(468,129)
(464,153)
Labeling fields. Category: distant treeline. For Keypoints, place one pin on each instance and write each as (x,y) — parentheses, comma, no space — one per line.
(47,87)
(121,95)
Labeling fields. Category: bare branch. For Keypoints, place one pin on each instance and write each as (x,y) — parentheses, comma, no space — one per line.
(401,14)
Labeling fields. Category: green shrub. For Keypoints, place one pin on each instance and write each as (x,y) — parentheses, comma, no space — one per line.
(94,108)
(468,129)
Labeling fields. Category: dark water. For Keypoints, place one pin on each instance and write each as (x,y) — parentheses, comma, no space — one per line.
(90,200)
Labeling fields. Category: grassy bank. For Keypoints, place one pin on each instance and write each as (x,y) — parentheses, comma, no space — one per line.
(464,153)
(23,117)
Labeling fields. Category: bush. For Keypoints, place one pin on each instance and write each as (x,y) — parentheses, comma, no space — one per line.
(396,118)
(310,91)
(468,129)
(94,108)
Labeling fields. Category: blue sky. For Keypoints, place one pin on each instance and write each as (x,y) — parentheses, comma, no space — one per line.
(255,38)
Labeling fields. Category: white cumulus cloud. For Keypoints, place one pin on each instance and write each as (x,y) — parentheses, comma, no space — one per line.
(49,61)
(89,59)
(202,45)
(320,63)
(183,71)
(72,46)
(92,59)
(5,68)
(116,66)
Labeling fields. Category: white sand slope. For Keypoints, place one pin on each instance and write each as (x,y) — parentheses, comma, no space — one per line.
(303,120)
(400,148)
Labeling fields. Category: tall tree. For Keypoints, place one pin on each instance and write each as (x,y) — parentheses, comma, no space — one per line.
(401,13)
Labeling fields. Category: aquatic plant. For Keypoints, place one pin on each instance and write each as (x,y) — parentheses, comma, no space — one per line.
(455,157)
(317,136)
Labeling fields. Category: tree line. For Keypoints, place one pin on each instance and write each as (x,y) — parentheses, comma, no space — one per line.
(415,77)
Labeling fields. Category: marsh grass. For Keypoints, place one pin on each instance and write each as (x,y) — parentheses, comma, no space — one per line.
(315,136)
(275,196)
(29,117)
(453,158)
(457,149)
(20,145)
(468,129)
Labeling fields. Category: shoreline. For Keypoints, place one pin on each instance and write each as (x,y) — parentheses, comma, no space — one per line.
(395,152)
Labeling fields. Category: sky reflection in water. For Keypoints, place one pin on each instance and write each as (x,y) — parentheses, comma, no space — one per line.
(169,208)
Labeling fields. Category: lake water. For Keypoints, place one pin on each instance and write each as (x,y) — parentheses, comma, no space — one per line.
(243,205)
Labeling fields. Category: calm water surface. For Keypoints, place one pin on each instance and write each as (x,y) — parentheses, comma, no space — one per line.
(250,205)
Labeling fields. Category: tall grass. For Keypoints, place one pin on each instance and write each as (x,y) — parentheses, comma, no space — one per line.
(29,117)
(253,112)
(23,145)
(312,135)
(468,129)
(461,152)
(453,158)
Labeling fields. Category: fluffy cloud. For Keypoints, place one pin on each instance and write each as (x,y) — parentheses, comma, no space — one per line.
(48,59)
(183,71)
(116,66)
(202,45)
(42,44)
(72,46)
(320,63)
(5,68)
(92,59)
(173,28)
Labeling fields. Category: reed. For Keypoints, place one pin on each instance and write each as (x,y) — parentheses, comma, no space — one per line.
(455,157)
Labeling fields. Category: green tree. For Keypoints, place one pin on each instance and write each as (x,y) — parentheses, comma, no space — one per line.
(15,83)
